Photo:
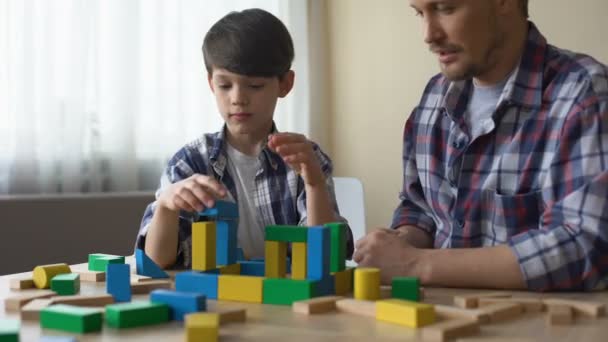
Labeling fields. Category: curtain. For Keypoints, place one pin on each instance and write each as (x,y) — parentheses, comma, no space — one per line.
(97,95)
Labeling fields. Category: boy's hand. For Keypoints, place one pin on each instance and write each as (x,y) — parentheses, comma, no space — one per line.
(194,193)
(297,152)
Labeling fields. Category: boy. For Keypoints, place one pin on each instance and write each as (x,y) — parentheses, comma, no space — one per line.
(275,178)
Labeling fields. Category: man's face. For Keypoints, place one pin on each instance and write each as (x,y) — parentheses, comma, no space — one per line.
(247,103)
(464,34)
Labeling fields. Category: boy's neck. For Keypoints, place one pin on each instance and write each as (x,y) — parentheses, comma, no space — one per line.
(248,144)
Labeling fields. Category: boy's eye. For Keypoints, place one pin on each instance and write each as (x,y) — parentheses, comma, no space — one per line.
(224,86)
(256,86)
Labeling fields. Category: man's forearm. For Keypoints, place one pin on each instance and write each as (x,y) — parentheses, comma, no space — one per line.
(486,267)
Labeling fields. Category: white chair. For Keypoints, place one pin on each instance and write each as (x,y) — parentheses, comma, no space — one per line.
(350,198)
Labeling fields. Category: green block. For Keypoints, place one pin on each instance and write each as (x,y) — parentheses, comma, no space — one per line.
(66,284)
(71,318)
(286,233)
(136,314)
(98,262)
(407,288)
(284,291)
(338,246)
(9,330)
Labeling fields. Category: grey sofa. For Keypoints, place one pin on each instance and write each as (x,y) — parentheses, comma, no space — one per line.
(46,229)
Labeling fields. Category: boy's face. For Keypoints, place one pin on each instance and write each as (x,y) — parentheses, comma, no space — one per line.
(466,35)
(247,103)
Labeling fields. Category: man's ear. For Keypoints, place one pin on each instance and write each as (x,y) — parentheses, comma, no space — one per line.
(286,83)
(210,81)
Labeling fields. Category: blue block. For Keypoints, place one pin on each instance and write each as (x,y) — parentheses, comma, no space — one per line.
(225,247)
(222,209)
(239,254)
(213,271)
(197,282)
(325,286)
(257,259)
(57,339)
(180,303)
(252,268)
(118,282)
(318,253)
(147,267)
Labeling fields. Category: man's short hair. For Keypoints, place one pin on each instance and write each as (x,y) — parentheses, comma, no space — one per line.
(251,43)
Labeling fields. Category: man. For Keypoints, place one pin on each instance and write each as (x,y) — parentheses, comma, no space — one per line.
(505,160)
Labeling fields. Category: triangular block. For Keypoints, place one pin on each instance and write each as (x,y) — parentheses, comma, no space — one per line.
(147,267)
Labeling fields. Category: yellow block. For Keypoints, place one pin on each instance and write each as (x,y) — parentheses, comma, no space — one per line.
(203,246)
(276,259)
(43,274)
(405,312)
(343,281)
(298,260)
(240,288)
(231,269)
(202,327)
(367,283)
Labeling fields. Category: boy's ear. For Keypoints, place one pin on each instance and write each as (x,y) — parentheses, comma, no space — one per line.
(210,81)
(286,83)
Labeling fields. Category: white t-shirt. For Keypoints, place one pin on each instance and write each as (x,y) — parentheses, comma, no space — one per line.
(250,233)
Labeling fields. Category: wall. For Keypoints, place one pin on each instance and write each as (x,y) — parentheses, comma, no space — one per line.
(378,67)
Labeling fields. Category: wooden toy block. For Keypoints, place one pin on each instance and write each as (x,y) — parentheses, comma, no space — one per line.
(407,288)
(226,242)
(367,283)
(66,284)
(315,305)
(502,311)
(15,303)
(197,282)
(452,312)
(148,286)
(21,283)
(57,339)
(203,246)
(31,310)
(253,268)
(119,282)
(472,300)
(240,288)
(92,276)
(138,278)
(357,307)
(298,260)
(231,315)
(43,274)
(559,315)
(98,261)
(221,210)
(71,318)
(180,303)
(147,267)
(338,246)
(202,327)
(529,304)
(343,281)
(404,312)
(136,314)
(448,330)
(286,233)
(276,256)
(286,291)
(318,253)
(84,300)
(231,269)
(586,308)
(9,330)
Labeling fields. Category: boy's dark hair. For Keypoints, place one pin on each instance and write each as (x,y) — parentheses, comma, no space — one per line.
(251,43)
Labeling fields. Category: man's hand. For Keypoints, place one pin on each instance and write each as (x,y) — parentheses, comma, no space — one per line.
(390,251)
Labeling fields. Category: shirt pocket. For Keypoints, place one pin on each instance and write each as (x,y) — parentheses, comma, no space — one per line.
(510,215)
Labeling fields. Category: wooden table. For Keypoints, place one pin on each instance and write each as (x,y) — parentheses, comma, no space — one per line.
(270,322)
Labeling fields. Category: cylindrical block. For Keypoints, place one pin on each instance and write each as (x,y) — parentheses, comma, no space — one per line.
(367,283)
(43,274)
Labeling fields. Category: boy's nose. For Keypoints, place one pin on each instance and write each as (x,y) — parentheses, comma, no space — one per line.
(239,98)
